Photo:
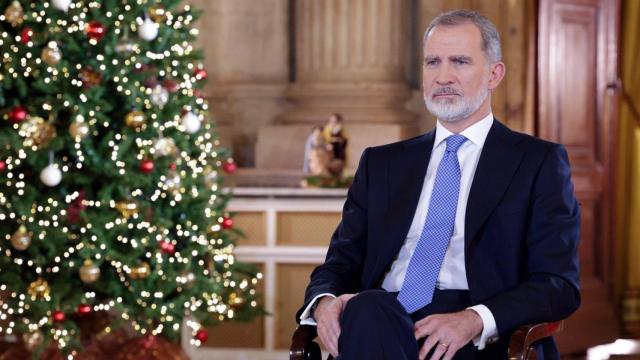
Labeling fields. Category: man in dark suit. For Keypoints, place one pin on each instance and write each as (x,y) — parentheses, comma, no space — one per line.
(451,240)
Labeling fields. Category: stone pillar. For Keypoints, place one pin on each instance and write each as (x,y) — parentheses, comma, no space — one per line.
(246,48)
(350,58)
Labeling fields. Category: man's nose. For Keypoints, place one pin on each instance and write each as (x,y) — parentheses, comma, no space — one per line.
(445,76)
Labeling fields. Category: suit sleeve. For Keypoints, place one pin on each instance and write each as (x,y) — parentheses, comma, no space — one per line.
(550,291)
(342,269)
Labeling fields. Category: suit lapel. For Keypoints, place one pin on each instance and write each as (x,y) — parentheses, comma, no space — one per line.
(498,163)
(405,176)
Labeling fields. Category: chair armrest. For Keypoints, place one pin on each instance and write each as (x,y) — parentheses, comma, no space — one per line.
(302,345)
(522,339)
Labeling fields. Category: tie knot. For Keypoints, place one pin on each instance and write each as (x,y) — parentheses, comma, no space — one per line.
(454,142)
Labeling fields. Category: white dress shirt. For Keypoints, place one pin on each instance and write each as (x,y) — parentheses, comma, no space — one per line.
(452,272)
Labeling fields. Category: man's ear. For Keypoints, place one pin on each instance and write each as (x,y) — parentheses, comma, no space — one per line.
(498,71)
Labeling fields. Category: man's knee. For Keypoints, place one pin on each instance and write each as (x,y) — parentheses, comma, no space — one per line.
(369,302)
(375,326)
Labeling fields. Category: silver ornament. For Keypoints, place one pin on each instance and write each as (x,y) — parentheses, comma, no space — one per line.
(51,175)
(164,147)
(159,96)
(61,4)
(191,123)
(126,47)
(173,181)
(148,30)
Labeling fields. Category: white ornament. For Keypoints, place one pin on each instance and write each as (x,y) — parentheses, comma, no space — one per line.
(61,4)
(165,147)
(159,96)
(51,175)
(191,122)
(148,30)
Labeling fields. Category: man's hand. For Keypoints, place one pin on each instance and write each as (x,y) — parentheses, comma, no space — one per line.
(327,317)
(447,333)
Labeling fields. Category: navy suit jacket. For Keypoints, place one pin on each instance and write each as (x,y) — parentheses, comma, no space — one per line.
(521,226)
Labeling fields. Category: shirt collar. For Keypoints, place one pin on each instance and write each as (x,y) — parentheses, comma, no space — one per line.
(476,133)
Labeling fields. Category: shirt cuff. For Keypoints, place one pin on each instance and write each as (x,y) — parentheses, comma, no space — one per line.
(306,318)
(489,333)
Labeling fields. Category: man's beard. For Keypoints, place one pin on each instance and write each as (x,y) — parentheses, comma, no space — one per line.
(452,110)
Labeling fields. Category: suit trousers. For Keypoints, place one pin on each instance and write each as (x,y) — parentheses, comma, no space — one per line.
(375,326)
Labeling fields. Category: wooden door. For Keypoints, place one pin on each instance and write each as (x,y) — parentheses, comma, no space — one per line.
(577,75)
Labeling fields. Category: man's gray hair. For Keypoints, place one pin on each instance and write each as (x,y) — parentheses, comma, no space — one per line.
(490,36)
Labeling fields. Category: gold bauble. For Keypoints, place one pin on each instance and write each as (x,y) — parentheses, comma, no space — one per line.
(21,239)
(79,130)
(52,54)
(90,77)
(127,208)
(32,339)
(158,13)
(37,132)
(14,14)
(140,272)
(89,272)
(39,289)
(165,147)
(135,119)
(235,300)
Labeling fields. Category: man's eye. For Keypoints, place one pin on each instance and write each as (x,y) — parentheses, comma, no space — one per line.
(460,61)
(431,62)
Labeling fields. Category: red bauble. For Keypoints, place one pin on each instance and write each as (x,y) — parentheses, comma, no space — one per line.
(149,341)
(25,35)
(84,309)
(3,165)
(202,335)
(76,207)
(150,83)
(146,166)
(167,248)
(199,93)
(73,214)
(227,223)
(229,167)
(171,86)
(18,114)
(95,30)
(58,316)
(200,74)
(173,166)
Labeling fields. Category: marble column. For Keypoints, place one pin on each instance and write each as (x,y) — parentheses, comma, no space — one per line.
(350,58)
(246,48)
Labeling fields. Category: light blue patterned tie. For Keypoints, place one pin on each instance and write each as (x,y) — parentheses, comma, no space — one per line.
(424,266)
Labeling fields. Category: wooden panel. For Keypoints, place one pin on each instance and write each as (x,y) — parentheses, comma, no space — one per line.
(306,229)
(292,280)
(239,334)
(254,226)
(574,92)
(588,251)
(577,60)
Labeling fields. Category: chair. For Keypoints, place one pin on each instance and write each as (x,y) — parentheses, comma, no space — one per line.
(520,344)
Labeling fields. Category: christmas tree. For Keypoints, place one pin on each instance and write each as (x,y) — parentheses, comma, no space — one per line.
(110,194)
